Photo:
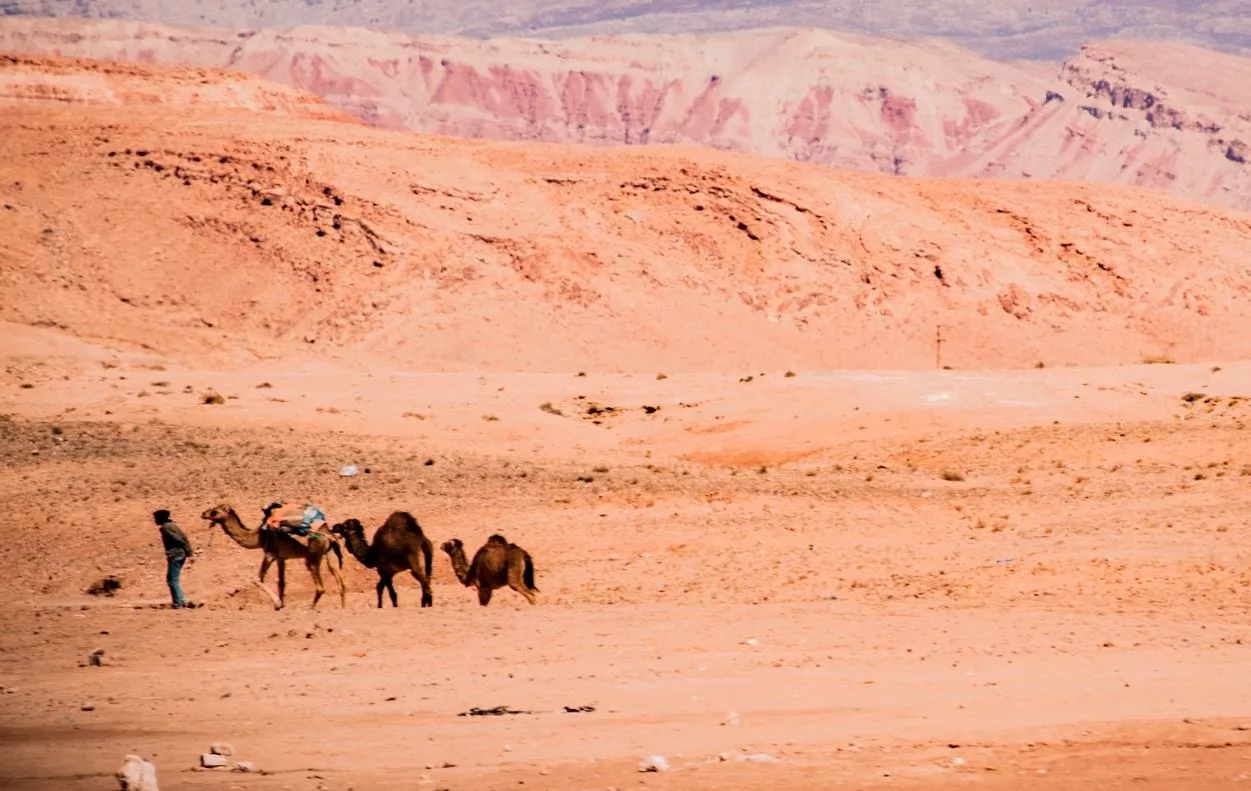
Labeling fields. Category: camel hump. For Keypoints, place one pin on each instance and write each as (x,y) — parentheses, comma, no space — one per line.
(497,539)
(406,519)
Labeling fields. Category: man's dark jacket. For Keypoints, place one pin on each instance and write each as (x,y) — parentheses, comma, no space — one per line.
(175,541)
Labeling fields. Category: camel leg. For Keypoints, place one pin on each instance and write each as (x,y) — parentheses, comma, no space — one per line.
(266,562)
(282,581)
(418,571)
(314,568)
(484,595)
(338,575)
(427,598)
(385,583)
(518,583)
(524,591)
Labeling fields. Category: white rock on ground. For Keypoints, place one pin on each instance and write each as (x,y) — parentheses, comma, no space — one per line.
(137,774)
(212,761)
(221,748)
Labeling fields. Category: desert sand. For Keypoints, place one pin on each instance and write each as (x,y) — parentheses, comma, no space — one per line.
(780,554)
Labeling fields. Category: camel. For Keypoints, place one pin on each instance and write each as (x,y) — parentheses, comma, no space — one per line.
(281,547)
(496,564)
(398,546)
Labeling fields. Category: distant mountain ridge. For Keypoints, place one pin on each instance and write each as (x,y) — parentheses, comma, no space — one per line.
(1007,29)
(1164,116)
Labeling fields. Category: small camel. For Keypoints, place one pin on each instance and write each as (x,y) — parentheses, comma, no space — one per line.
(496,564)
(281,547)
(398,546)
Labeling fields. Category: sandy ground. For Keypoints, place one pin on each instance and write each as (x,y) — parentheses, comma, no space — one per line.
(773,586)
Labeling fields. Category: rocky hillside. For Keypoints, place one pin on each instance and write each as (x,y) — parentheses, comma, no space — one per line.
(1007,29)
(1165,116)
(209,228)
(31,80)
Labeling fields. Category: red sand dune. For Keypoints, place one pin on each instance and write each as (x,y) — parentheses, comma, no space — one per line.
(193,230)
(1160,115)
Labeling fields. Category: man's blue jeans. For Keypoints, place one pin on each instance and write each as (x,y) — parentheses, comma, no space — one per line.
(173,571)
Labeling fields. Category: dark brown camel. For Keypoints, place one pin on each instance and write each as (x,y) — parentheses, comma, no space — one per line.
(496,564)
(398,546)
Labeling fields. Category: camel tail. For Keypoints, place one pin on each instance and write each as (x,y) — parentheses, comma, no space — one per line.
(528,575)
(334,546)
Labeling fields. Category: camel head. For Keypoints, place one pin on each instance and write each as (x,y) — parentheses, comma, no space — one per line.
(218,514)
(452,546)
(349,527)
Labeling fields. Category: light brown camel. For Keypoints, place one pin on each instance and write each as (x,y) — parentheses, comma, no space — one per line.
(496,564)
(281,547)
(398,546)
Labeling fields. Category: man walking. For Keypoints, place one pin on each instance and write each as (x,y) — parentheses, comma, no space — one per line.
(177,551)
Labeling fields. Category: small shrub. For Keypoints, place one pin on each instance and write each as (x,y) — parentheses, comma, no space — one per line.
(789,374)
(600,469)
(160,384)
(661,376)
(489,418)
(1040,364)
(416,415)
(263,386)
(1190,398)
(212,397)
(105,587)
(952,475)
(547,407)
(1158,359)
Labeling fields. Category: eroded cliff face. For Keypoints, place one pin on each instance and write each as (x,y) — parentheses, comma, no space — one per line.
(1121,112)
(1165,116)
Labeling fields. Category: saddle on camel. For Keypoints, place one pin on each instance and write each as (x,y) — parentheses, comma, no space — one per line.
(296,521)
